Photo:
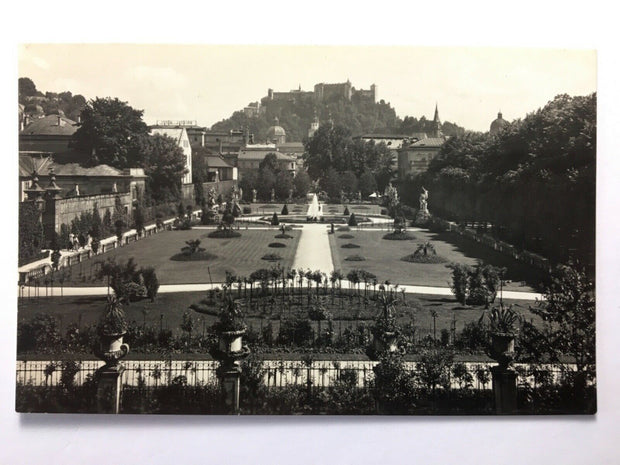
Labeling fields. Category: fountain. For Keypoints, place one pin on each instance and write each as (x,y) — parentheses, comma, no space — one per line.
(315,211)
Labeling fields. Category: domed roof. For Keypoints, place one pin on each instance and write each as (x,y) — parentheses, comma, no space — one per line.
(276,129)
(498,124)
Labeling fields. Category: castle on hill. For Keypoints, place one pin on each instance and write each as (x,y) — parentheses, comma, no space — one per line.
(324,91)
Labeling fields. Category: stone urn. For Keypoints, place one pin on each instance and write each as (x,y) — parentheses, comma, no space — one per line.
(111,329)
(231,342)
(502,348)
(385,342)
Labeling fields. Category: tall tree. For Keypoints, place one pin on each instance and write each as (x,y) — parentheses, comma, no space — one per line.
(302,183)
(110,133)
(164,164)
(30,231)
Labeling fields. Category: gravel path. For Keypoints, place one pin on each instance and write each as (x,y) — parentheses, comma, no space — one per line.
(313,251)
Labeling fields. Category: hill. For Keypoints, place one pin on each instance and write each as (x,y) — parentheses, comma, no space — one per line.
(37,103)
(296,113)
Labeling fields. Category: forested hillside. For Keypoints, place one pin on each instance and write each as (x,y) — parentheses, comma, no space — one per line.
(359,115)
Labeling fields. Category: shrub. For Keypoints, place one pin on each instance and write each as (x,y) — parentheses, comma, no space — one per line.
(384,212)
(150,282)
(346,211)
(346,236)
(247,210)
(352,220)
(272,257)
(417,258)
(477,285)
(399,236)
(355,258)
(284,210)
(296,331)
(350,246)
(276,245)
(224,234)
(274,219)
(283,236)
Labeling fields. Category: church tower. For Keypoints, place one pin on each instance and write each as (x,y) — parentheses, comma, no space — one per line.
(314,126)
(436,124)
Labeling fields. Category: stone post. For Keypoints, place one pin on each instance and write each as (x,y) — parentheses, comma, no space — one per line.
(230,378)
(504,390)
(109,389)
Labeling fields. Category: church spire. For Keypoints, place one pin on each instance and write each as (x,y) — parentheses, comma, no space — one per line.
(436,123)
(436,118)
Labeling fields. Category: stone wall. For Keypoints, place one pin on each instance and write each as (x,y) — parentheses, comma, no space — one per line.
(61,211)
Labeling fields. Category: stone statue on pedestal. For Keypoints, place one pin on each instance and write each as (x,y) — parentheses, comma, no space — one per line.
(424,201)
(253,195)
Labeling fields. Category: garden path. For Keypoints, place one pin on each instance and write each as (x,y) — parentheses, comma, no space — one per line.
(313,251)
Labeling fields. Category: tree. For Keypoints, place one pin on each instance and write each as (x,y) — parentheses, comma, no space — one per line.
(331,183)
(26,88)
(367,183)
(164,164)
(31,238)
(110,133)
(138,219)
(568,312)
(283,184)
(302,183)
(348,182)
(270,161)
(266,181)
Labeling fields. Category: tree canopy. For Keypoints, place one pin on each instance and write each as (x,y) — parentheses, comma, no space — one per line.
(110,132)
(534,181)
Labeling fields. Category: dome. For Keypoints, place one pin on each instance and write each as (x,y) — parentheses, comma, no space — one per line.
(276,132)
(498,124)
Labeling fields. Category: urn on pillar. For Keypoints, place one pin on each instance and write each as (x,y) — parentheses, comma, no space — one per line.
(230,349)
(111,349)
(385,330)
(502,327)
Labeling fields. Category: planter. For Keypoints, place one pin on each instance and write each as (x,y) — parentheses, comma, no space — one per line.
(112,349)
(502,348)
(386,342)
(231,342)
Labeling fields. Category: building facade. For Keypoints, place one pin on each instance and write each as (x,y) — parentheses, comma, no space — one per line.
(180,136)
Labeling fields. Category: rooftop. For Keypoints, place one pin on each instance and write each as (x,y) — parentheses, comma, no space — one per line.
(50,125)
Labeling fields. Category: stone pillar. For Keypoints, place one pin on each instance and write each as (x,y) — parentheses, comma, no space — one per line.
(504,390)
(109,389)
(230,378)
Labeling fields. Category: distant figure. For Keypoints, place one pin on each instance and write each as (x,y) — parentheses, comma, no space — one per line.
(332,228)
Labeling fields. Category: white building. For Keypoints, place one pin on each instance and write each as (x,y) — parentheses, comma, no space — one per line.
(179,134)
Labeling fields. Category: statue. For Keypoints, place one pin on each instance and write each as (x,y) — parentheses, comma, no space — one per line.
(290,195)
(253,195)
(424,201)
(273,195)
(341,196)
(240,193)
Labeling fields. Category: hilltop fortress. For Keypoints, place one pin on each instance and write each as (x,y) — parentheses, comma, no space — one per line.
(323,91)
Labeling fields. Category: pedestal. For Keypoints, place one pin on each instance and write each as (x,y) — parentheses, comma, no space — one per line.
(230,379)
(504,390)
(109,389)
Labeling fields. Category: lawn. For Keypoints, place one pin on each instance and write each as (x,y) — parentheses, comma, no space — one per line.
(383,258)
(240,256)
(167,312)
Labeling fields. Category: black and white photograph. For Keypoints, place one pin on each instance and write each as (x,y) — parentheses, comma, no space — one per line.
(306,230)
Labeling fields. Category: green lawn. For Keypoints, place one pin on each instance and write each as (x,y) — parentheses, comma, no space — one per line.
(168,310)
(383,258)
(241,256)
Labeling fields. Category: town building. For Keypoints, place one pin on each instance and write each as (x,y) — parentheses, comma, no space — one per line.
(51,133)
(178,132)
(250,157)
(498,124)
(415,156)
(276,133)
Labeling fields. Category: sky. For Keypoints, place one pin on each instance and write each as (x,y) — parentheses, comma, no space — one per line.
(208,83)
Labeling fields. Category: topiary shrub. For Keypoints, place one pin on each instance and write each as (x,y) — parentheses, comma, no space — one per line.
(247,210)
(350,245)
(274,219)
(355,258)
(346,211)
(284,210)
(352,220)
(346,236)
(277,245)
(413,258)
(272,257)
(224,234)
(399,236)
(283,236)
